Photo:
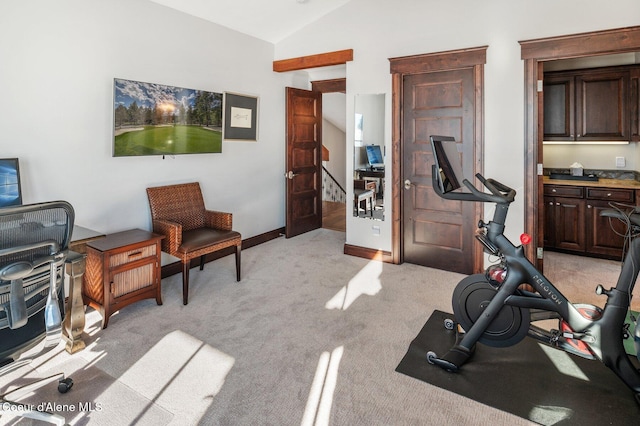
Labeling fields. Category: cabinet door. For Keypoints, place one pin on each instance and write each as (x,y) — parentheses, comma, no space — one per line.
(604,236)
(559,107)
(601,106)
(549,222)
(569,224)
(634,104)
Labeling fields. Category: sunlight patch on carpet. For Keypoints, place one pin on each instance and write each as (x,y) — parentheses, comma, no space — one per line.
(318,409)
(366,281)
(181,373)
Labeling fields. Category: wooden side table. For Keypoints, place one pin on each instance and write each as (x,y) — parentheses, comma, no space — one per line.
(122,268)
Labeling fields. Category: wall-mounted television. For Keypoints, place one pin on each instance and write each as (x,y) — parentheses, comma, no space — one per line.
(10,191)
(155,119)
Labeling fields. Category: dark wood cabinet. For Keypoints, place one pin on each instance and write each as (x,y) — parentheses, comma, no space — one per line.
(559,107)
(605,236)
(634,104)
(587,105)
(602,239)
(573,223)
(564,217)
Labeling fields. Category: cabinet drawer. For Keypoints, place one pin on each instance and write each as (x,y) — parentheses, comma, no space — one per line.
(132,255)
(564,191)
(608,194)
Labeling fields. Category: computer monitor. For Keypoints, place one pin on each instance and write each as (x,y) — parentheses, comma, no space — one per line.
(446,154)
(374,156)
(10,191)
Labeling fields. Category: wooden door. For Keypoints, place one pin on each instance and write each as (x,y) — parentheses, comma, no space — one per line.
(304,161)
(436,232)
(569,226)
(559,107)
(604,236)
(601,106)
(549,222)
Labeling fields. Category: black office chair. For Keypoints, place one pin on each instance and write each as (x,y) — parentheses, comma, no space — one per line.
(34,240)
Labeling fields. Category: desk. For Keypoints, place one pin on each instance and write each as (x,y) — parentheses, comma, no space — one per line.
(74,319)
(378,176)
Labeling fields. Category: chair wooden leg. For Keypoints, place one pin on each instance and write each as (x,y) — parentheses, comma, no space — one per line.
(238,250)
(185,282)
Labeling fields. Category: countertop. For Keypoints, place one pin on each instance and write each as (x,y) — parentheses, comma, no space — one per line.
(601,183)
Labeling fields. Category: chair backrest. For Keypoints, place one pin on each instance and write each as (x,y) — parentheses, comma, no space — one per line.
(31,236)
(181,203)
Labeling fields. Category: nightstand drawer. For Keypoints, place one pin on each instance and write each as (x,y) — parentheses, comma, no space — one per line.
(131,255)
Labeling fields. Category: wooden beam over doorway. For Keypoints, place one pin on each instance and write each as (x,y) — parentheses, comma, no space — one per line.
(338,57)
(336,85)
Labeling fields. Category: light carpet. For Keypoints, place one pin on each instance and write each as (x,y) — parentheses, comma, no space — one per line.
(310,336)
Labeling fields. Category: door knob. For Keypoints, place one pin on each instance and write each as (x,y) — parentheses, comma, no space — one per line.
(407,184)
(289,174)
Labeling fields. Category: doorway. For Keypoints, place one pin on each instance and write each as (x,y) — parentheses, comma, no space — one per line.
(307,215)
(334,163)
(535,53)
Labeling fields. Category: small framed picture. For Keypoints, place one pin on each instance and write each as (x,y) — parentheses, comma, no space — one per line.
(241,117)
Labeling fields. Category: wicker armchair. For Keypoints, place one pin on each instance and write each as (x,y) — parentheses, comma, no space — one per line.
(178,213)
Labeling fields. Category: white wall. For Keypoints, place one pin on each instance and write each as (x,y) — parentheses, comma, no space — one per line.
(334,140)
(333,134)
(379,29)
(58,60)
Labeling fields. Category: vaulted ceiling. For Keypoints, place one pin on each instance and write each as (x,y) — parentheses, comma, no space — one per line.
(269,20)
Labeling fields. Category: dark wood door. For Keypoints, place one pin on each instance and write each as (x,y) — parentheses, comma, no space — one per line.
(601,106)
(634,104)
(304,161)
(559,108)
(604,237)
(569,224)
(437,232)
(549,222)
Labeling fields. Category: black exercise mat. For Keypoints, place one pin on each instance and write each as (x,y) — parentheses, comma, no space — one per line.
(529,380)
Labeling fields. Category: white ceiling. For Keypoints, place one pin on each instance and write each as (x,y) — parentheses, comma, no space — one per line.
(269,20)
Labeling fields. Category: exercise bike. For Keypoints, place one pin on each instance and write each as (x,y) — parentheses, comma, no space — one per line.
(494,309)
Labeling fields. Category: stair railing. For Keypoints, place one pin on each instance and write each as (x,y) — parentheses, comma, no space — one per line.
(331,189)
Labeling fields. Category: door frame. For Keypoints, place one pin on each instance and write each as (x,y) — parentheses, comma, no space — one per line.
(535,53)
(441,61)
(339,57)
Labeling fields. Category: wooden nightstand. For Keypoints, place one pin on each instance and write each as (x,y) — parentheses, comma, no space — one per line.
(122,268)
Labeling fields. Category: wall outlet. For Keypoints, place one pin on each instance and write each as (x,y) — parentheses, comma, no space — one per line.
(376,230)
(620,162)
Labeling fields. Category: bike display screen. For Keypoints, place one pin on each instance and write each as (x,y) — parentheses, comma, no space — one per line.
(448,160)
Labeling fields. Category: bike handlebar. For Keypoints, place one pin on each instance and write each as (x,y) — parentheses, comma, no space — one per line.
(500,193)
(633,216)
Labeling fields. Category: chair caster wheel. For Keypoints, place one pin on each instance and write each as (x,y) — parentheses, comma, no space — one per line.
(65,384)
(449,324)
(431,356)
